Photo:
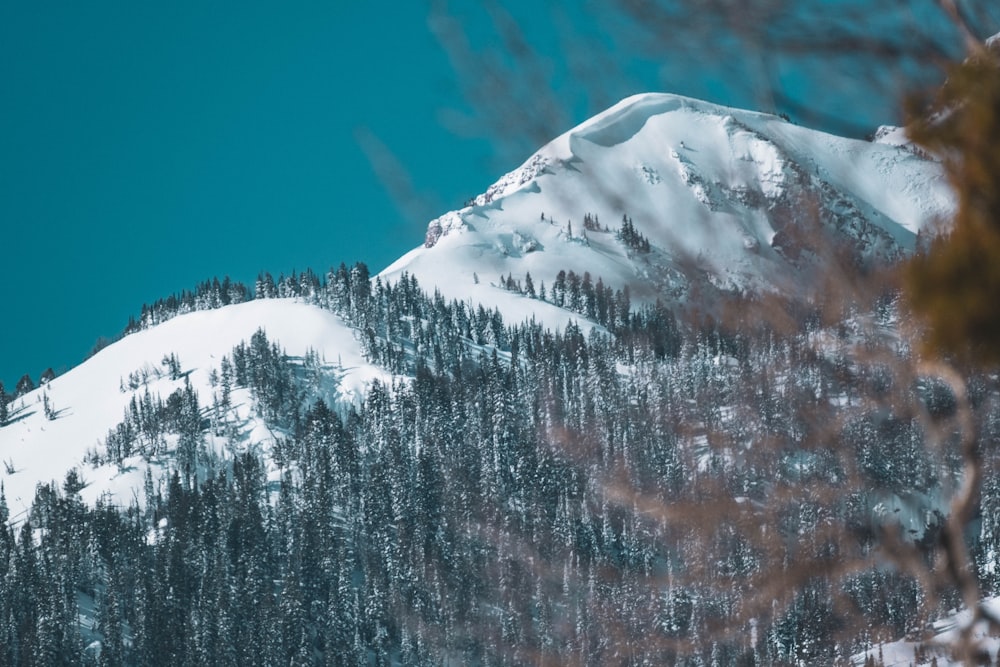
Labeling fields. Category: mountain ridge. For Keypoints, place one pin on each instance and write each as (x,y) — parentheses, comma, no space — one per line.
(721,189)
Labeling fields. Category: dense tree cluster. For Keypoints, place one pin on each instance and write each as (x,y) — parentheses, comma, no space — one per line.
(524,496)
(631,237)
(592,223)
(151,426)
(206,296)
(24,385)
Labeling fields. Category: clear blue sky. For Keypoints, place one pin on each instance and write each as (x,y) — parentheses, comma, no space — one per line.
(147,146)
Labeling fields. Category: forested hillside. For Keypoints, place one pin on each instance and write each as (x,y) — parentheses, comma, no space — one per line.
(662,490)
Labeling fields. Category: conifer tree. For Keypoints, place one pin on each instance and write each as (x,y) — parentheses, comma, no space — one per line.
(24,385)
(529,285)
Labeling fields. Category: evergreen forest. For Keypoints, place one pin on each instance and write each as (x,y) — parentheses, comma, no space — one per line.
(662,490)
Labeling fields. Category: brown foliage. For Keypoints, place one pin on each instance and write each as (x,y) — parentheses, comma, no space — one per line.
(956,285)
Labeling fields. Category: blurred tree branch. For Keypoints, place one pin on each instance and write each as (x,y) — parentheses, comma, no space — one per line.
(829,64)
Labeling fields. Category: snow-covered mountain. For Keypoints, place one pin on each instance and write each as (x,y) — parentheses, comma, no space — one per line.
(720,195)
(724,197)
(674,199)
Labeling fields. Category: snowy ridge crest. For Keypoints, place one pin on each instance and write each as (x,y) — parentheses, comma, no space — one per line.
(721,196)
(513,180)
(438,227)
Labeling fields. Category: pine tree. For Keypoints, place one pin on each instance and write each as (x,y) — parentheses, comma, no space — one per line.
(24,385)
(110,625)
(47,409)
(559,289)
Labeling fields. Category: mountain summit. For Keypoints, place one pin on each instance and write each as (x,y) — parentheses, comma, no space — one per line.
(662,192)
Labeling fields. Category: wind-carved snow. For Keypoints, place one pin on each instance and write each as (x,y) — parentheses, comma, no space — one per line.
(768,163)
(513,180)
(525,243)
(622,122)
(691,178)
(438,227)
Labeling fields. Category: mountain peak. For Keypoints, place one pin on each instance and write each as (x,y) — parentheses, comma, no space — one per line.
(722,195)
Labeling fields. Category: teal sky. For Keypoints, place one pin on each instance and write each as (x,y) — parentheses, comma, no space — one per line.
(147,146)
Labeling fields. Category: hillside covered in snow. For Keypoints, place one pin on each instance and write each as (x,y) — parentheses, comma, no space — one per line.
(511,446)
(51,429)
(708,196)
(658,193)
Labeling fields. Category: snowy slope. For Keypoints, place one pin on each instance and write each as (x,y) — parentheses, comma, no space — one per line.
(936,649)
(720,193)
(88,399)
